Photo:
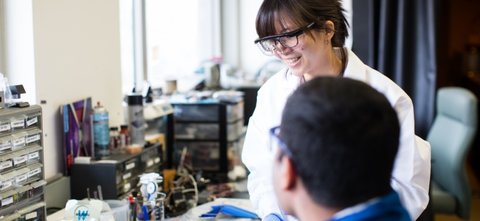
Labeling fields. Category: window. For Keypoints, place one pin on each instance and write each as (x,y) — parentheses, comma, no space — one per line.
(167,39)
(2,40)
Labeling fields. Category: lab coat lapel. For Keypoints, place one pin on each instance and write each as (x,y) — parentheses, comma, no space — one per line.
(355,69)
(289,85)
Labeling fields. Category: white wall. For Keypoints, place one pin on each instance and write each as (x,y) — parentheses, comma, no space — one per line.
(19,59)
(77,54)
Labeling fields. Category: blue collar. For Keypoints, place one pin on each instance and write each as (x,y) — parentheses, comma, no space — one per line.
(387,207)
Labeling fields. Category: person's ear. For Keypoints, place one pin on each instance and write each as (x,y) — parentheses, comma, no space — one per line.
(330,28)
(287,171)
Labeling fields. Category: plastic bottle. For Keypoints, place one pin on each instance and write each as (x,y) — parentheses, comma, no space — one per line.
(114,139)
(5,93)
(101,131)
(136,120)
(124,136)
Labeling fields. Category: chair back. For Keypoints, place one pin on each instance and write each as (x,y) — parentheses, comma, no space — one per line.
(451,137)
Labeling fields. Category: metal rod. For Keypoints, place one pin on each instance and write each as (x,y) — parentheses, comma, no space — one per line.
(100,194)
(88,193)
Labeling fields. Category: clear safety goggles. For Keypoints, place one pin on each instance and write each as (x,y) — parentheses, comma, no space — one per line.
(268,45)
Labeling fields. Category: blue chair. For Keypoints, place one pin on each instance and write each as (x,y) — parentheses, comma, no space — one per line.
(451,137)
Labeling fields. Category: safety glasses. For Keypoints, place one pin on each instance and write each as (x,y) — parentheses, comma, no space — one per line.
(268,45)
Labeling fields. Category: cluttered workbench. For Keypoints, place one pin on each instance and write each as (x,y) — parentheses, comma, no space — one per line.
(191,169)
(175,194)
(234,206)
(191,215)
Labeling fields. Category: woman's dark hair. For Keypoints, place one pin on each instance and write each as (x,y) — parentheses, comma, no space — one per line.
(344,136)
(301,13)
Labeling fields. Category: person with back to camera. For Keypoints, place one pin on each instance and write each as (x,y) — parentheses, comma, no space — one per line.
(308,36)
(334,153)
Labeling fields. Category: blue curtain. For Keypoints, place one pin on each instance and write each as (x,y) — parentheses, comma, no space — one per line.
(398,37)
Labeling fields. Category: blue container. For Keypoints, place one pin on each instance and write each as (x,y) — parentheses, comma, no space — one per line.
(101,131)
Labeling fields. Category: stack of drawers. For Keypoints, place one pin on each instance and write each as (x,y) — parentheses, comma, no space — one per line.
(212,132)
(117,175)
(21,164)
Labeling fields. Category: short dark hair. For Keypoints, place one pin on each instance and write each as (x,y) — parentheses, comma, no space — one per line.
(303,12)
(344,137)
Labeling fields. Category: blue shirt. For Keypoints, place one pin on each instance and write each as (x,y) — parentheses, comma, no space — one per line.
(385,208)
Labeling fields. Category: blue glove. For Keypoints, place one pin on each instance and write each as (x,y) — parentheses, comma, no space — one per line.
(229,210)
(273,217)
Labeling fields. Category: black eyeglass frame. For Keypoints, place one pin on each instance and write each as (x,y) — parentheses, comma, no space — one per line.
(294,33)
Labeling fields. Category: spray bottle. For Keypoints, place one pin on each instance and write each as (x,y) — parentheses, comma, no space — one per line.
(101,131)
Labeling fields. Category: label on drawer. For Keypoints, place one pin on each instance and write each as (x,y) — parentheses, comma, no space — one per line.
(19,142)
(126,187)
(5,165)
(149,163)
(34,172)
(127,175)
(5,145)
(34,155)
(32,121)
(21,178)
(31,215)
(7,201)
(18,123)
(130,166)
(7,183)
(32,138)
(5,127)
(20,159)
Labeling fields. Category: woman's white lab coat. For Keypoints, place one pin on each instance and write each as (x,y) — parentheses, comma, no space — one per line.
(411,173)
